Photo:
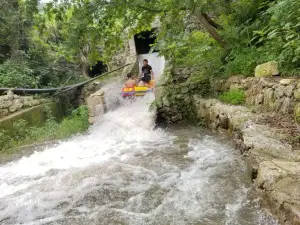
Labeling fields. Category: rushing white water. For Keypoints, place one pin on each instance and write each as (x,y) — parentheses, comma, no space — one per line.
(124,171)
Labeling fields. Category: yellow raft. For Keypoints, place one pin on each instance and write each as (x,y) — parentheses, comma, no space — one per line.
(138,91)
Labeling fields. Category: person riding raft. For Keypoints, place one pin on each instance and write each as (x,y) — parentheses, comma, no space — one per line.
(146,74)
(131,82)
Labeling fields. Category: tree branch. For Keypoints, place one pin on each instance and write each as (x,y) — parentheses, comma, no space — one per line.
(212,23)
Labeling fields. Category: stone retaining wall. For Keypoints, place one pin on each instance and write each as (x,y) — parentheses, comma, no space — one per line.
(269,94)
(273,163)
(12,103)
(34,115)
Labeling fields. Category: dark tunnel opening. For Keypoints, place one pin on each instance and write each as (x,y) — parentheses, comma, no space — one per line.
(143,41)
(98,69)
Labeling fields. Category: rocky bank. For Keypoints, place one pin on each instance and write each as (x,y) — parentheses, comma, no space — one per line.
(274,161)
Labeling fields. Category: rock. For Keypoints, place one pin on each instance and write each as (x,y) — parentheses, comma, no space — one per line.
(10,95)
(184,90)
(16,105)
(259,99)
(236,86)
(279,92)
(286,82)
(90,87)
(166,102)
(270,172)
(218,85)
(267,69)
(269,97)
(297,111)
(264,144)
(280,181)
(263,82)
(176,118)
(84,90)
(166,110)
(297,94)
(288,91)
(98,93)
(16,96)
(286,105)
(35,102)
(5,104)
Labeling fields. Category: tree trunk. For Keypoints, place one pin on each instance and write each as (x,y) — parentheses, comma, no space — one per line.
(86,70)
(210,29)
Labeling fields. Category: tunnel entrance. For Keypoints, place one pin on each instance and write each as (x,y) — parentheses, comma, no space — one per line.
(98,69)
(143,41)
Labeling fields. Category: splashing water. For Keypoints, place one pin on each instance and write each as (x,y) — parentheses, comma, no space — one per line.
(124,171)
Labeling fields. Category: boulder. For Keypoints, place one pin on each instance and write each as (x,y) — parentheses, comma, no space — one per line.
(10,95)
(5,104)
(259,99)
(288,91)
(90,87)
(297,111)
(286,82)
(267,69)
(286,105)
(279,92)
(269,172)
(297,94)
(280,180)
(176,118)
(269,98)
(264,145)
(236,86)
(16,105)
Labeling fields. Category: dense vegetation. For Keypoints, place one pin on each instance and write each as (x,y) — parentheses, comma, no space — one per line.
(41,44)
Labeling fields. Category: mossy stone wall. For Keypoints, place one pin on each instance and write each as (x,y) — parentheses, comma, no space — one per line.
(34,116)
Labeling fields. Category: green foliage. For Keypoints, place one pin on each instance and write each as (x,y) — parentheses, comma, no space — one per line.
(77,122)
(222,37)
(23,135)
(14,74)
(234,97)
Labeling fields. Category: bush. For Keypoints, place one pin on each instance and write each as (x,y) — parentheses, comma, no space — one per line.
(77,122)
(17,74)
(234,97)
